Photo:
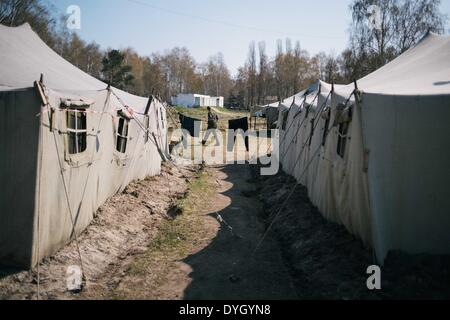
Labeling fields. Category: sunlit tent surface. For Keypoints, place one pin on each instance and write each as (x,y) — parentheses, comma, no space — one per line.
(375,156)
(60,161)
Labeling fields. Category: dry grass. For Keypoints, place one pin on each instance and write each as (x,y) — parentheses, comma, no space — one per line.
(176,239)
(202,114)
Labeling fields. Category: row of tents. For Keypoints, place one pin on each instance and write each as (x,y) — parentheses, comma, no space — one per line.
(375,154)
(68,142)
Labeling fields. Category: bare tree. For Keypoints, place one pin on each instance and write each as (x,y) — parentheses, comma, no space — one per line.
(215,76)
(397,25)
(414,19)
(251,69)
(263,73)
(278,69)
(38,14)
(330,67)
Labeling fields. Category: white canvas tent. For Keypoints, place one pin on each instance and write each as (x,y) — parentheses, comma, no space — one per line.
(270,112)
(376,158)
(68,143)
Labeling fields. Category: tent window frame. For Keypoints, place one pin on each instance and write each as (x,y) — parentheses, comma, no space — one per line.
(122,135)
(76,122)
(342,138)
(343,131)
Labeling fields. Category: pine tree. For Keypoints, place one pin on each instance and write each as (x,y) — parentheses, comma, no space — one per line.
(115,72)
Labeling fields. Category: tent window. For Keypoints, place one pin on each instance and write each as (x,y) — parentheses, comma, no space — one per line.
(342,140)
(76,131)
(122,135)
(147,128)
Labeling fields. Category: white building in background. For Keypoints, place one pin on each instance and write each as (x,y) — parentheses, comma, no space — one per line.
(192,100)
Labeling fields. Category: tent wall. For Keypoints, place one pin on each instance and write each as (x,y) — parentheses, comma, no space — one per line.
(37,221)
(343,192)
(271,114)
(409,171)
(94,175)
(19,137)
(397,151)
(336,185)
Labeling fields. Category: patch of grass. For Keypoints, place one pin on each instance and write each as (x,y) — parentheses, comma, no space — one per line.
(199,113)
(174,241)
(202,114)
(233,112)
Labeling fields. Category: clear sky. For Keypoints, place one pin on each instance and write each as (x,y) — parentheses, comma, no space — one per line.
(206,27)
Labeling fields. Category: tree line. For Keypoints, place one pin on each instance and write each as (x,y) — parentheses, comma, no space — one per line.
(380,31)
(377,36)
(380,34)
(165,74)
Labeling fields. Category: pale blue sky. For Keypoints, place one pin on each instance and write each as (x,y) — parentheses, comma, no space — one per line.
(206,27)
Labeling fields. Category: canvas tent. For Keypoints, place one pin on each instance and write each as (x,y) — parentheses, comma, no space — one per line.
(375,155)
(68,143)
(270,112)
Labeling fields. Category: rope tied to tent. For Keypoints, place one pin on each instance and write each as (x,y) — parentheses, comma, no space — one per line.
(315,124)
(322,108)
(143,129)
(292,122)
(300,125)
(291,193)
(40,86)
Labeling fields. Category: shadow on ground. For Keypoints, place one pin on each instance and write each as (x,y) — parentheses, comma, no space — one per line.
(227,268)
(327,262)
(304,256)
(6,272)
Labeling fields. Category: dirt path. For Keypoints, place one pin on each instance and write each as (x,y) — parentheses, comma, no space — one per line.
(122,229)
(206,252)
(226,269)
(186,234)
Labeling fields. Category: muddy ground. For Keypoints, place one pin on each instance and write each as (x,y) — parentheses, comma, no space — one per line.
(207,252)
(203,248)
(195,233)
(326,262)
(122,228)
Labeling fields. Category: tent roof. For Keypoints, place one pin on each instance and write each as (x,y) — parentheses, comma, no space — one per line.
(421,70)
(24,57)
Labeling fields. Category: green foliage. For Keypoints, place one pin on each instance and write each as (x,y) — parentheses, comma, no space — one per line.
(262,79)
(115,72)
(35,12)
